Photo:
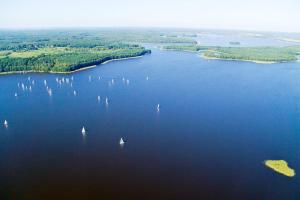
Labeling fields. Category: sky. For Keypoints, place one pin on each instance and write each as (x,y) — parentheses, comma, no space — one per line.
(261,15)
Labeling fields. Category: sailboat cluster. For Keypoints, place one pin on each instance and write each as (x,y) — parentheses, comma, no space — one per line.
(27,86)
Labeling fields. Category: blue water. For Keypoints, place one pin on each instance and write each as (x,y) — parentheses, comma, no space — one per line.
(218,122)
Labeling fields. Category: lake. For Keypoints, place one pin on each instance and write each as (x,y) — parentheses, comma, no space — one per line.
(218,121)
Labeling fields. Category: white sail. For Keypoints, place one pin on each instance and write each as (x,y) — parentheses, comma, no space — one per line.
(83,130)
(50,92)
(74,93)
(106,100)
(121,141)
(158,107)
(98,98)
(5,123)
(16,95)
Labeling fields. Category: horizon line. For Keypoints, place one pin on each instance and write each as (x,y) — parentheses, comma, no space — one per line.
(19,28)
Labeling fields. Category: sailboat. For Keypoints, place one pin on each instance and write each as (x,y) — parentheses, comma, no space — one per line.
(5,123)
(158,107)
(74,93)
(83,130)
(50,92)
(98,98)
(106,100)
(16,95)
(122,141)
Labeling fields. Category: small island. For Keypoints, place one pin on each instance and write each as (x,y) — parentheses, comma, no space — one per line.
(281,167)
(234,43)
(265,55)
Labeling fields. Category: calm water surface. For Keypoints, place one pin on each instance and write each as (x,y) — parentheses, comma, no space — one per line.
(218,122)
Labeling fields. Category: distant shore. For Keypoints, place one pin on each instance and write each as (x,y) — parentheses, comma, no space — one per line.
(216,58)
(70,72)
(260,55)
(254,61)
(189,51)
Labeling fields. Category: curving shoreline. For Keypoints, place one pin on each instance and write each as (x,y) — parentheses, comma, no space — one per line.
(259,55)
(216,58)
(71,72)
(253,61)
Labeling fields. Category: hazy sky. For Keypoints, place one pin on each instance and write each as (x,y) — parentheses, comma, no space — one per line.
(272,15)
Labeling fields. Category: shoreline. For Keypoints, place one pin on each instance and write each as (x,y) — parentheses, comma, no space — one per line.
(70,72)
(224,59)
(189,51)
(253,61)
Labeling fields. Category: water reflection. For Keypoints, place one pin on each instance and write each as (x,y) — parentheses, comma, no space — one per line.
(83,138)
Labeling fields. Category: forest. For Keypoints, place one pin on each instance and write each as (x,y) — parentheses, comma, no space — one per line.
(260,54)
(68,50)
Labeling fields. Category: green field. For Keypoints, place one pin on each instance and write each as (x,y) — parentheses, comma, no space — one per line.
(256,54)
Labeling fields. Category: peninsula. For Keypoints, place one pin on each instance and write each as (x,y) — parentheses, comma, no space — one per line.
(252,54)
(64,51)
